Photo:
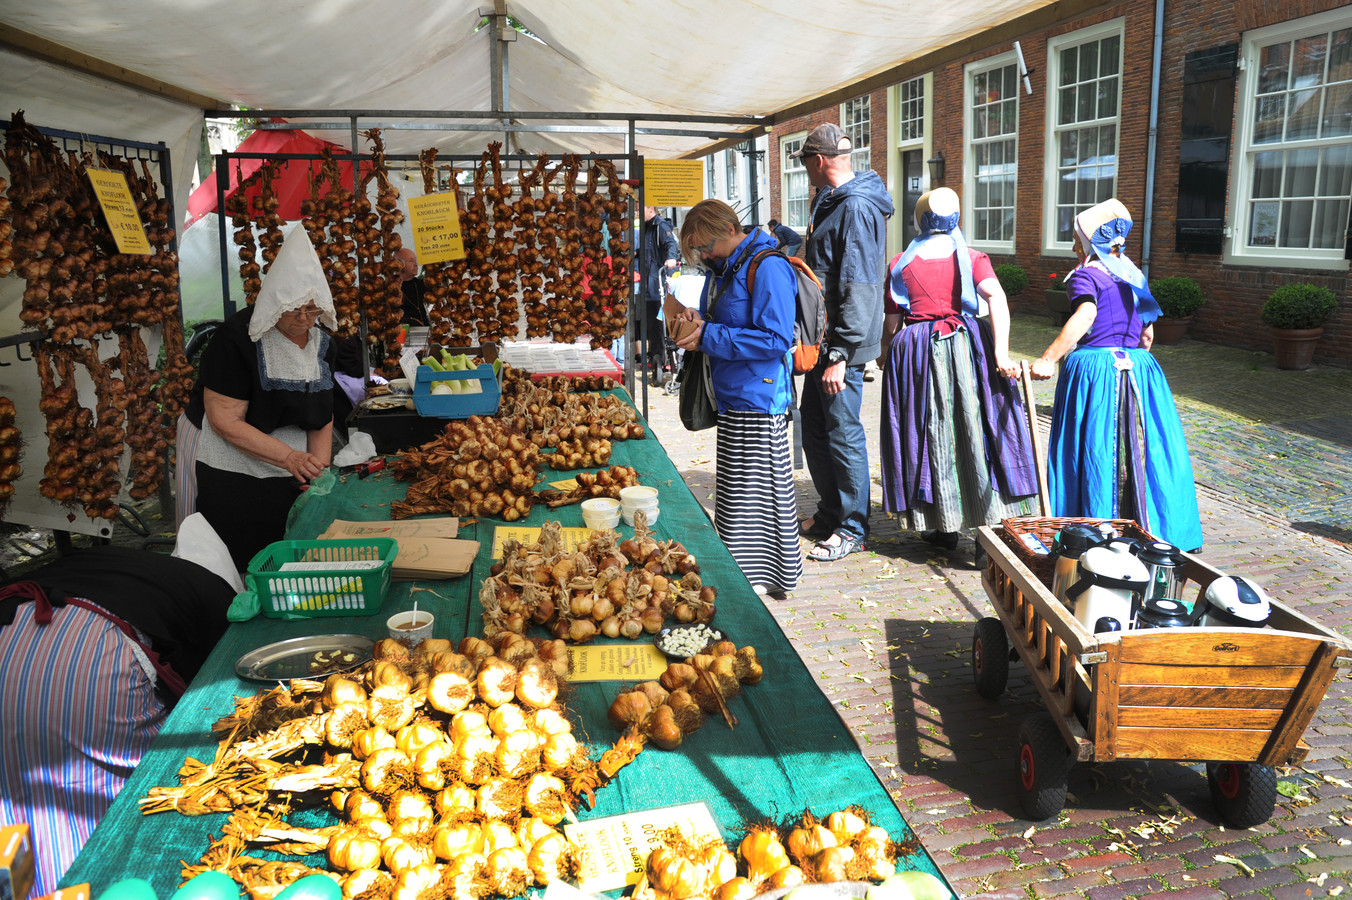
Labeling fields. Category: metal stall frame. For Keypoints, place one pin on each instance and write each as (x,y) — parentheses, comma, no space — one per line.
(64,524)
(357,120)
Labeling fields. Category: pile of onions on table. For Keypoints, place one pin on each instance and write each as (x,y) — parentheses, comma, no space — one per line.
(450,768)
(844,846)
(606,588)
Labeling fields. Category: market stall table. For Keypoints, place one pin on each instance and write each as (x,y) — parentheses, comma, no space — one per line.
(789,751)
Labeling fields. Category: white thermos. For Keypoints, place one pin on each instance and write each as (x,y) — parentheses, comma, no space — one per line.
(1071,542)
(1110,578)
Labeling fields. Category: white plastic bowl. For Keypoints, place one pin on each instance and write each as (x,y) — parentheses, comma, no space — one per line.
(628,516)
(600,513)
(635,496)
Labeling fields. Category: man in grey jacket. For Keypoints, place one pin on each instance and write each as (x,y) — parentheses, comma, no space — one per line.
(846,238)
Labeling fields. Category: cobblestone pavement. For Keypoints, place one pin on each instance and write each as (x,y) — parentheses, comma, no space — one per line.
(888,634)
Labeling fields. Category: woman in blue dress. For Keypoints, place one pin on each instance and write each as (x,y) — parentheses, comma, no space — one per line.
(1117,448)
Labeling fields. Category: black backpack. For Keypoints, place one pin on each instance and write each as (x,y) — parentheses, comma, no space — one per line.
(809,326)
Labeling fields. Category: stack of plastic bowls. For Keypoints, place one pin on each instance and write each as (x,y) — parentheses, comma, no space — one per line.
(632,499)
(600,513)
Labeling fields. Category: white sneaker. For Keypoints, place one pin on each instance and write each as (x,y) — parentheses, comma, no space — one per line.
(871,370)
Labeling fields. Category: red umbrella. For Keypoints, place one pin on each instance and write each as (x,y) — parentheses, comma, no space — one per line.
(290,187)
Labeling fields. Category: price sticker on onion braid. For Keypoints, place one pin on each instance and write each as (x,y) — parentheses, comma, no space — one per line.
(435,222)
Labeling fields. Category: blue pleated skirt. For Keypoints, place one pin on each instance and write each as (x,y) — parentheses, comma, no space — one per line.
(1117,448)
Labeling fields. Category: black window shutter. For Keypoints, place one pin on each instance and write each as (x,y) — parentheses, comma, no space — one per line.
(1204,148)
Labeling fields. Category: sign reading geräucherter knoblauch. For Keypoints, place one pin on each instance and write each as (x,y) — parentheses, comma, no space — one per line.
(615,849)
(673,182)
(119,208)
(435,222)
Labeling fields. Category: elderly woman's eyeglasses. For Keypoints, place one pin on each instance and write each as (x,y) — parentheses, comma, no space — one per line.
(304,312)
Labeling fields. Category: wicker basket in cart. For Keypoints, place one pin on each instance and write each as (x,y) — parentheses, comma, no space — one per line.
(1044,528)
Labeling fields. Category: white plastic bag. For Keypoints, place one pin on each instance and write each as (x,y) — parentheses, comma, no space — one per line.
(198,542)
(360,448)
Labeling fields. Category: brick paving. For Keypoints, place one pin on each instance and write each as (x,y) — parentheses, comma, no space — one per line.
(887,633)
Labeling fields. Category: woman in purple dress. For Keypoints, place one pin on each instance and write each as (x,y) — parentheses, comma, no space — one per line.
(1117,448)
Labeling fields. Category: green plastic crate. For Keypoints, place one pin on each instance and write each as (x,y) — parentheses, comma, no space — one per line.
(304,579)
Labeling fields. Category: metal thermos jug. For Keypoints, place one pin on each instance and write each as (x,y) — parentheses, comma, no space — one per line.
(1110,583)
(1233,601)
(1163,612)
(1071,541)
(1164,563)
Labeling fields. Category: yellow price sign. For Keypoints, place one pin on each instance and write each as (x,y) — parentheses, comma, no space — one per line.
(435,222)
(119,208)
(673,182)
(615,848)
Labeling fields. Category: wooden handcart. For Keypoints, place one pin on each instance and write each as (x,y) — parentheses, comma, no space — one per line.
(1238,699)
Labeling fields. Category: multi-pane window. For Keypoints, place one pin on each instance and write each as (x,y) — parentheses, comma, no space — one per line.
(1298,140)
(854,119)
(730,164)
(993,141)
(1085,113)
(797,191)
(913,109)
(709,172)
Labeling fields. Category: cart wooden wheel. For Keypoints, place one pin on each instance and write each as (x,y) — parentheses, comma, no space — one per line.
(990,657)
(1244,793)
(1044,766)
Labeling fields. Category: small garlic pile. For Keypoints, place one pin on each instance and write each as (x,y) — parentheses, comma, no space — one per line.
(675,705)
(844,846)
(579,596)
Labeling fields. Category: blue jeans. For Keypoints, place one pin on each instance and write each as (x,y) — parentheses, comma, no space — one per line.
(837,452)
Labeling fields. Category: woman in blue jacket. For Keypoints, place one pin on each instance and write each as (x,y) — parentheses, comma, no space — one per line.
(746,336)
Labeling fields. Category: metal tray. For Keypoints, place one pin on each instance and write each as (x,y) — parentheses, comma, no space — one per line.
(659,639)
(292,658)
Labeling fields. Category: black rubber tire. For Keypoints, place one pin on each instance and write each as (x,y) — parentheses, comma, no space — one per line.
(990,657)
(1244,793)
(1043,769)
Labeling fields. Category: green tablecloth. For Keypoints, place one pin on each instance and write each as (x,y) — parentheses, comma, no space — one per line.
(789,751)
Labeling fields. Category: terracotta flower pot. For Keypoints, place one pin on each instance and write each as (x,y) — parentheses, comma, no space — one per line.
(1058,304)
(1171,331)
(1295,347)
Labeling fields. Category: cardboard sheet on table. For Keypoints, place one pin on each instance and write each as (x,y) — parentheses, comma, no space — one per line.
(434,527)
(433,558)
(528,535)
(629,661)
(616,848)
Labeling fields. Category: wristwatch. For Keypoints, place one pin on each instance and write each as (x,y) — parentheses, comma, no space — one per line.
(835,355)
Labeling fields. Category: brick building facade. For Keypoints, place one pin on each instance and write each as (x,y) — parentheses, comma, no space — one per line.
(1230,241)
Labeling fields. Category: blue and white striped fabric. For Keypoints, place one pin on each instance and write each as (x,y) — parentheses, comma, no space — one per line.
(79,712)
(756,508)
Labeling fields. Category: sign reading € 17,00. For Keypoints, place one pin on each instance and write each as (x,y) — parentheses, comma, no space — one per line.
(120,210)
(436,228)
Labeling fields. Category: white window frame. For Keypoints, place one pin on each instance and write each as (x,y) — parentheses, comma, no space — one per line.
(733,177)
(969,73)
(788,144)
(859,152)
(711,178)
(1237,250)
(1051,156)
(903,120)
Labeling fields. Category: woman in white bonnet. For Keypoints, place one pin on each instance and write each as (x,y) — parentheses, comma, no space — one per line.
(956,449)
(266,385)
(1117,449)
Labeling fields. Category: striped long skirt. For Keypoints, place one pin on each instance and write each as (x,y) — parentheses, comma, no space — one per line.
(756,511)
(964,493)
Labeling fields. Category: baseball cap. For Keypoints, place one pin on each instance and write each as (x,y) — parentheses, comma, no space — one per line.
(825,140)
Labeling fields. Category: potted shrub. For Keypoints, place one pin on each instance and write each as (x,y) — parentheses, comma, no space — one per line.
(1058,304)
(1013,279)
(1179,297)
(1296,313)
